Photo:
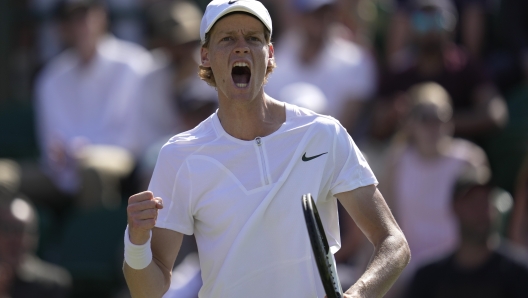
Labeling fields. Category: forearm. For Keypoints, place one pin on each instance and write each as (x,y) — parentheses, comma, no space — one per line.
(150,282)
(388,261)
(391,251)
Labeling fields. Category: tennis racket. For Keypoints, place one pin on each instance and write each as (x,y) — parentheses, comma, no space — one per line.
(323,257)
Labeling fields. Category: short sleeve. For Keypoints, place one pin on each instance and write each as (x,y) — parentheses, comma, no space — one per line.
(170,181)
(351,169)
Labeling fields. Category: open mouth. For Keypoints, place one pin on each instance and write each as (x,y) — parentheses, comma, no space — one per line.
(241,74)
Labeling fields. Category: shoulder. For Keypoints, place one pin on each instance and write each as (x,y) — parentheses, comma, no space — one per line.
(186,143)
(303,116)
(513,255)
(467,151)
(57,67)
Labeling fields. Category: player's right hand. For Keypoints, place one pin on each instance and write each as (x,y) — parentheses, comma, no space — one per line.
(142,213)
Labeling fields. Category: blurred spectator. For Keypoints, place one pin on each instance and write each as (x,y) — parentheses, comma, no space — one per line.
(9,175)
(125,15)
(127,19)
(304,95)
(480,266)
(472,20)
(196,104)
(85,105)
(174,99)
(518,231)
(22,273)
(368,20)
(424,162)
(478,107)
(176,41)
(508,46)
(507,149)
(312,52)
(193,106)
(47,37)
(469,31)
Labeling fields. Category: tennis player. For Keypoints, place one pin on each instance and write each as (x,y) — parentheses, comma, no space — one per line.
(236,182)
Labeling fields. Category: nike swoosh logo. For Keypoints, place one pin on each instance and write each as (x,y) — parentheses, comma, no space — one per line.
(304,158)
(231,2)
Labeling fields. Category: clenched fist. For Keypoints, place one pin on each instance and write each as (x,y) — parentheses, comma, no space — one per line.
(142,213)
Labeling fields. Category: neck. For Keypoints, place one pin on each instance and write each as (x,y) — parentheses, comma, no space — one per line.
(248,120)
(87,50)
(472,254)
(87,55)
(428,153)
(434,150)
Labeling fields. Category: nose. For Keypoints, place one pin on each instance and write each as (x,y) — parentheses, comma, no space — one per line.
(241,47)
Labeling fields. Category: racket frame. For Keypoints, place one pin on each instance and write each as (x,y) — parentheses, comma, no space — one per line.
(324,258)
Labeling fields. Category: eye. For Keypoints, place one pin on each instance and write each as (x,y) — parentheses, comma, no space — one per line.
(227,38)
(254,38)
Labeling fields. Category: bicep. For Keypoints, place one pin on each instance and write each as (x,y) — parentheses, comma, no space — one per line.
(370,212)
(165,245)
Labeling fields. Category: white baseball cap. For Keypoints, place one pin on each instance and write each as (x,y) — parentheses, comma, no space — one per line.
(219,8)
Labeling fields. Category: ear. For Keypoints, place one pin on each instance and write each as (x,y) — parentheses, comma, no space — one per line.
(271,54)
(204,55)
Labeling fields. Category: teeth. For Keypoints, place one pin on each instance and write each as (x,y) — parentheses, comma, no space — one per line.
(241,64)
(241,85)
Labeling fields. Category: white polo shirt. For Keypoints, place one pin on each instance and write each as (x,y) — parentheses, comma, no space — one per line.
(242,201)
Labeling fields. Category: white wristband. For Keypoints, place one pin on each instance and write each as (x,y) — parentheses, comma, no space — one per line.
(137,256)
